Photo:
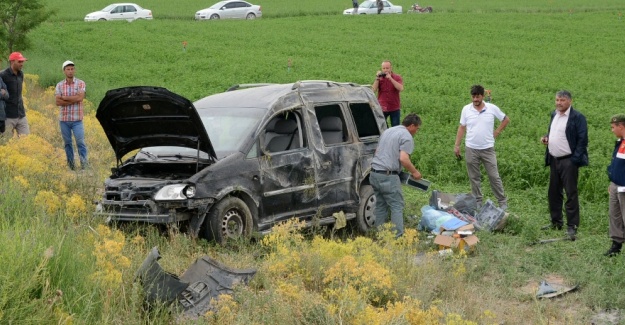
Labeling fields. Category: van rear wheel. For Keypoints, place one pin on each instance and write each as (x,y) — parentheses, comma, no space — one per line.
(365,217)
(230,218)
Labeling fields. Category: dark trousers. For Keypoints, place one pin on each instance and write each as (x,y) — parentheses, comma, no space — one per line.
(563,176)
(395,115)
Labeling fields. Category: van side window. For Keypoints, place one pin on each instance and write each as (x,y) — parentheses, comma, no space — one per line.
(331,124)
(283,133)
(364,120)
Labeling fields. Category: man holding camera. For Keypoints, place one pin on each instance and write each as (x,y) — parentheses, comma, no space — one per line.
(388,85)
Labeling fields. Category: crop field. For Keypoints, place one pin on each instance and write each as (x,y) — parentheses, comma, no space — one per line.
(185,9)
(523,52)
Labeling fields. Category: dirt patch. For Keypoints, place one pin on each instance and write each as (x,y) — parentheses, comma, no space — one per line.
(608,317)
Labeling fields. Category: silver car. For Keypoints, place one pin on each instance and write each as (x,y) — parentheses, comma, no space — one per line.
(369,7)
(230,9)
(120,11)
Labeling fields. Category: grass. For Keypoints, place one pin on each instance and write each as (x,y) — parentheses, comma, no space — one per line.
(523,52)
(74,10)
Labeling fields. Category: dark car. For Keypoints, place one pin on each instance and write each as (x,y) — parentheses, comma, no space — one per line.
(241,161)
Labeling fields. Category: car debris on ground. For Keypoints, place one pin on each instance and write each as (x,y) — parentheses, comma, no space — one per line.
(195,291)
(551,290)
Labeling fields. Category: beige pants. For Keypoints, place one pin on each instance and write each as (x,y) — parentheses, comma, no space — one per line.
(616,211)
(487,157)
(20,125)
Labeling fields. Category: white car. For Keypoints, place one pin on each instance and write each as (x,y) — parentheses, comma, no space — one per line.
(369,7)
(230,9)
(119,11)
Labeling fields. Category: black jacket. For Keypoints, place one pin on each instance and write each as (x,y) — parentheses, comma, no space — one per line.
(14,104)
(577,135)
(3,115)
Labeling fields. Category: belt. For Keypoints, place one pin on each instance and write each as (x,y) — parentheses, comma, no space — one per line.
(386,172)
(563,157)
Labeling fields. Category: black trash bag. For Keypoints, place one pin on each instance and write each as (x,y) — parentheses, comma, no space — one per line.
(463,202)
(466,203)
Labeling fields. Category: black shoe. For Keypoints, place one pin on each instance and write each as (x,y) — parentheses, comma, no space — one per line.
(572,233)
(614,250)
(551,227)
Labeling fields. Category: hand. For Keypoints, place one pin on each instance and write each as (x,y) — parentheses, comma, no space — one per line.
(416,175)
(457,151)
(544,140)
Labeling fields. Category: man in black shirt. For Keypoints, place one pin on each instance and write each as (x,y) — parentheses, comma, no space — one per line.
(13,77)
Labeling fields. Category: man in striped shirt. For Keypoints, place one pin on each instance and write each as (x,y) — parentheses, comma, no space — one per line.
(70,93)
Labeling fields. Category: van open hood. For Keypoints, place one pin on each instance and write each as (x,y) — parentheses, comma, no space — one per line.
(143,116)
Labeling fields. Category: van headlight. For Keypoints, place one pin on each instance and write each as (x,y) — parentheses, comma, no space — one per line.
(175,192)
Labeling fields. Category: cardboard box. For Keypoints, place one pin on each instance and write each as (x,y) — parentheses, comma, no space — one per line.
(457,238)
(467,227)
(467,242)
(446,241)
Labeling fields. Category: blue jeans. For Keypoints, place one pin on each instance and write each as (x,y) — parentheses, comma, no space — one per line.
(394,117)
(76,127)
(388,196)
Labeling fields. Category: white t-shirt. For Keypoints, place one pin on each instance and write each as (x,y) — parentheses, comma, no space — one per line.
(480,125)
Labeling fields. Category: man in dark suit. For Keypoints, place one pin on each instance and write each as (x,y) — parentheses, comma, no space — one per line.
(567,150)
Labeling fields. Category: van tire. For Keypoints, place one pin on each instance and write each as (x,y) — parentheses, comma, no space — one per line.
(365,216)
(230,218)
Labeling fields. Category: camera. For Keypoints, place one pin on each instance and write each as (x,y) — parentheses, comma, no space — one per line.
(382,75)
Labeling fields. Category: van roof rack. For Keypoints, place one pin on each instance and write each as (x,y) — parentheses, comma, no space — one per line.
(328,83)
(244,86)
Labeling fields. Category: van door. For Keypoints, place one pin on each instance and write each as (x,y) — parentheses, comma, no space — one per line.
(338,156)
(368,129)
(117,13)
(287,170)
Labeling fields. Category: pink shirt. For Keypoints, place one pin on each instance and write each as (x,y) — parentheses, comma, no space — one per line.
(72,112)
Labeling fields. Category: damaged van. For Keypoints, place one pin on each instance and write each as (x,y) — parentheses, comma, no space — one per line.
(238,162)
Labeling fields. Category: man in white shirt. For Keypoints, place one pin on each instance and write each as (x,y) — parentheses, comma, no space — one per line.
(477,120)
(567,150)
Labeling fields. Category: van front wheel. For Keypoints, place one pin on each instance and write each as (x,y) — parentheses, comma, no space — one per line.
(230,218)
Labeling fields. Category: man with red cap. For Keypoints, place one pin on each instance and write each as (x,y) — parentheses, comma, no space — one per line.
(13,77)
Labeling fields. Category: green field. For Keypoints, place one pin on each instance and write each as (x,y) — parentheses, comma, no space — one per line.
(185,9)
(523,52)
